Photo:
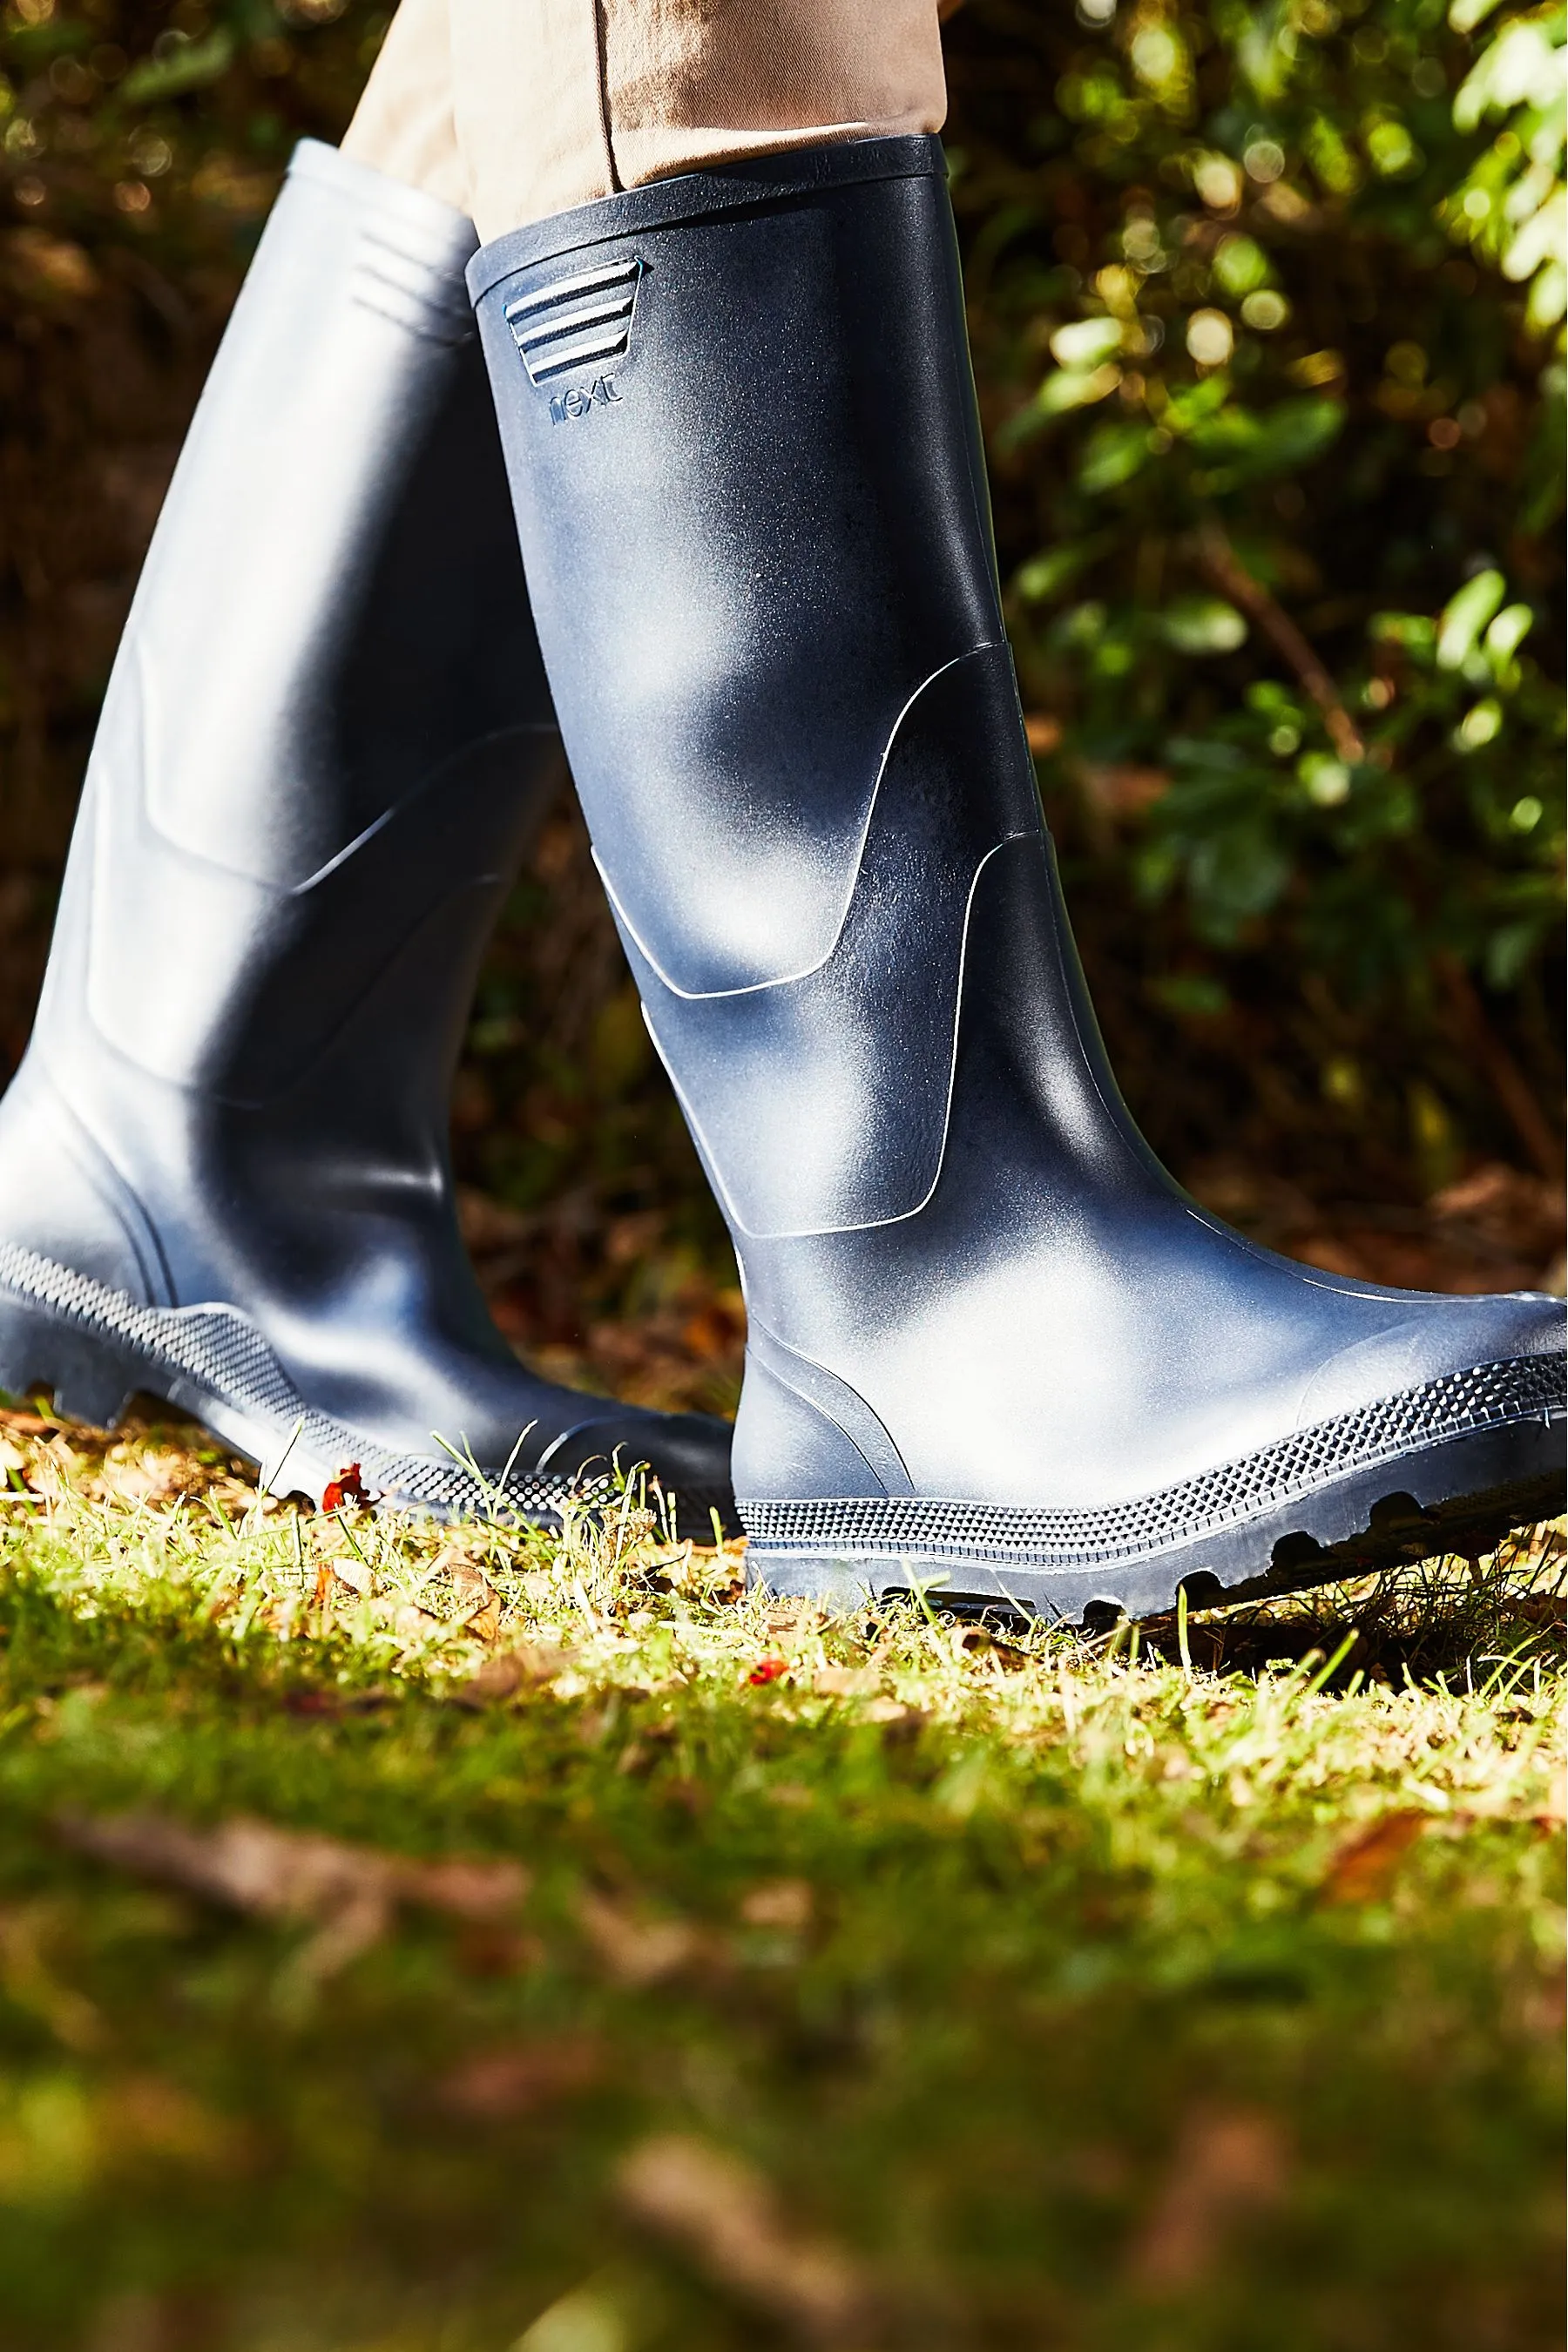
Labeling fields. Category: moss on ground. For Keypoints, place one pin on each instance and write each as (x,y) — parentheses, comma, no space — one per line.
(872,1983)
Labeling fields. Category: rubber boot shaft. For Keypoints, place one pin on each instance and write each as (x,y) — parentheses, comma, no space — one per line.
(991,1341)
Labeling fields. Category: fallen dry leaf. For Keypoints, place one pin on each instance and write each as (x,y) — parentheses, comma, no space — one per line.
(1362,1870)
(465,1886)
(148,1478)
(984,1641)
(636,1949)
(541,1662)
(797,1617)
(516,2076)
(411,1625)
(469,1581)
(783,1902)
(893,1714)
(477,1606)
(347,1491)
(724,2216)
(501,1678)
(349,1892)
(497,1679)
(1227,2162)
(846,1682)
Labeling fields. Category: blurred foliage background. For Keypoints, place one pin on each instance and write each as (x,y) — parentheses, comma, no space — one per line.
(1267,305)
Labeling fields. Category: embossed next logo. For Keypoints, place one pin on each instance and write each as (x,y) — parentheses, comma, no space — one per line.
(564,406)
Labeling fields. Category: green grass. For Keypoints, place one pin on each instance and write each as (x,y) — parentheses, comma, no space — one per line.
(937,1989)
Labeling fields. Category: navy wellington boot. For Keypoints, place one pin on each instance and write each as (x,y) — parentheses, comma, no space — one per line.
(993,1347)
(224,1164)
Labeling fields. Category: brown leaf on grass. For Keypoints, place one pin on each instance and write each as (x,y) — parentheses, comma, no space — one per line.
(350,1892)
(846,1682)
(499,1678)
(502,1677)
(28,1424)
(793,1617)
(897,1721)
(355,1577)
(786,1903)
(471,1586)
(637,1948)
(412,1624)
(476,1603)
(1363,1869)
(149,1475)
(1228,2162)
(464,1886)
(985,1642)
(514,2077)
(726,2219)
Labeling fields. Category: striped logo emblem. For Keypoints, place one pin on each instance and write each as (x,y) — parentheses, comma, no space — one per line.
(578,322)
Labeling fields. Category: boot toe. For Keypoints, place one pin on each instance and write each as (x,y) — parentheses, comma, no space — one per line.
(1441,1338)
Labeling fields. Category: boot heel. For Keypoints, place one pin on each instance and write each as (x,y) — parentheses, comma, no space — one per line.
(88,1379)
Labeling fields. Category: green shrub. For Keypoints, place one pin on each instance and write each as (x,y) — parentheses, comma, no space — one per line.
(1267,308)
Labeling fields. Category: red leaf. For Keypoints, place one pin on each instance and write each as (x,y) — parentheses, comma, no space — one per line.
(1363,1871)
(347,1487)
(768,1670)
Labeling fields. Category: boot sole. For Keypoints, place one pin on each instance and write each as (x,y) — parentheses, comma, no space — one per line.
(94,1348)
(1502,1468)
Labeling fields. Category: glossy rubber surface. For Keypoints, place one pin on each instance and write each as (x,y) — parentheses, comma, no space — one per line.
(756,532)
(224,1165)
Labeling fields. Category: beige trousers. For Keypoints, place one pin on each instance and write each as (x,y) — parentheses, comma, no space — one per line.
(510,110)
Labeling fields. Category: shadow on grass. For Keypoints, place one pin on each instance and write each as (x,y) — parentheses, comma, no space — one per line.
(1467,1624)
